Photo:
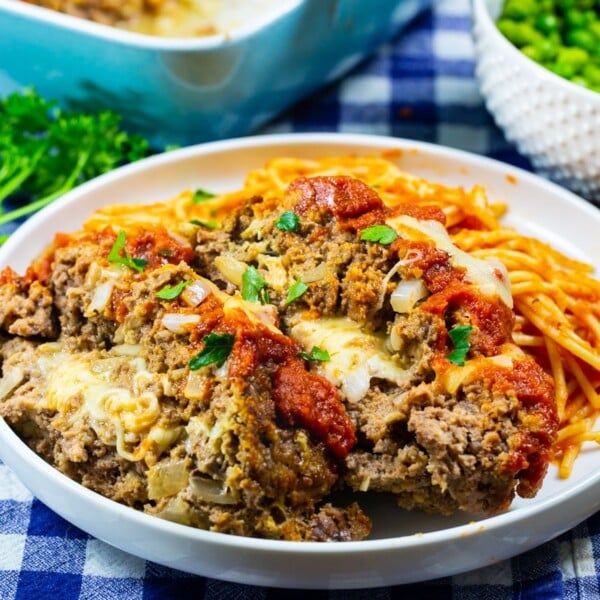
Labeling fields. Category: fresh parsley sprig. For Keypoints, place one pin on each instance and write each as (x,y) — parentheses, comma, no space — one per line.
(46,151)
(170,292)
(379,233)
(254,287)
(288,221)
(296,290)
(459,335)
(207,224)
(201,196)
(118,254)
(315,355)
(217,348)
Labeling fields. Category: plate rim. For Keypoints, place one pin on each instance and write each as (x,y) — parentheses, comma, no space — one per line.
(426,539)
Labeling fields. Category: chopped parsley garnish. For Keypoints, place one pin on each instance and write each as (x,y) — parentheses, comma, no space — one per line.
(207,224)
(254,287)
(460,338)
(45,151)
(316,354)
(170,292)
(118,254)
(379,233)
(217,347)
(295,291)
(288,221)
(201,196)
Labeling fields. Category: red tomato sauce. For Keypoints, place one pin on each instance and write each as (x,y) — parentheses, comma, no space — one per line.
(534,389)
(492,318)
(301,398)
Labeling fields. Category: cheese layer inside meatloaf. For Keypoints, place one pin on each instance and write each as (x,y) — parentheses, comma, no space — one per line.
(237,380)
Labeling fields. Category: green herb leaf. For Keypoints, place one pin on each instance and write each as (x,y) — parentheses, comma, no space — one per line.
(46,151)
(217,347)
(201,196)
(460,338)
(252,284)
(288,221)
(118,254)
(207,224)
(316,354)
(170,292)
(379,233)
(295,291)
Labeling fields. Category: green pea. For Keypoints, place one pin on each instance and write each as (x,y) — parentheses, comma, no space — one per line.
(566,4)
(562,69)
(524,34)
(519,10)
(548,49)
(575,19)
(547,23)
(594,28)
(561,35)
(580,80)
(533,52)
(582,38)
(591,73)
(576,57)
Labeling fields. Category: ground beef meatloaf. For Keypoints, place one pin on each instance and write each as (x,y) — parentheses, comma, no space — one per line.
(124,401)
(313,342)
(440,435)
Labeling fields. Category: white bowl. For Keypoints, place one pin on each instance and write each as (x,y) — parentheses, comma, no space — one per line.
(189,90)
(404,546)
(554,122)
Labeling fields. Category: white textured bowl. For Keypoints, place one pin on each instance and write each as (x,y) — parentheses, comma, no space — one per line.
(554,122)
(404,546)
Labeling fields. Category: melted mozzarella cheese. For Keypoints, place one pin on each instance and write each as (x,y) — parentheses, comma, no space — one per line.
(82,388)
(356,357)
(486,276)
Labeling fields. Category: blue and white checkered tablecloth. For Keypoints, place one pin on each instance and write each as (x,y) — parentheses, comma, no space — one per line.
(420,86)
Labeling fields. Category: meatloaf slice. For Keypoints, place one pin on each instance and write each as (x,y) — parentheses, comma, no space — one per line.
(129,401)
(440,436)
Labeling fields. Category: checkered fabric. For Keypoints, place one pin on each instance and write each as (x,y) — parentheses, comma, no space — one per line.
(420,86)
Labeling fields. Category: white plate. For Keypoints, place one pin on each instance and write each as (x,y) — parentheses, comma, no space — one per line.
(405,547)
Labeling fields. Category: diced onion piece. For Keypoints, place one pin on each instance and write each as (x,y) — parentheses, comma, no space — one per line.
(231,268)
(195,293)
(196,386)
(177,511)
(356,383)
(166,479)
(407,293)
(100,299)
(12,378)
(126,349)
(179,323)
(315,274)
(265,313)
(210,490)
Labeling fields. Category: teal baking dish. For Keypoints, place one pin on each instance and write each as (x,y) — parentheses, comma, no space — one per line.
(189,90)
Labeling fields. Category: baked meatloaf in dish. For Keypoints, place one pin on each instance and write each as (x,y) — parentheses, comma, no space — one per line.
(260,374)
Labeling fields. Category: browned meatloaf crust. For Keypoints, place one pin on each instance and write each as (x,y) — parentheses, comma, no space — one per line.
(235,463)
(257,443)
(437,450)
